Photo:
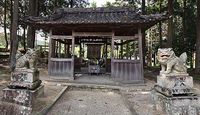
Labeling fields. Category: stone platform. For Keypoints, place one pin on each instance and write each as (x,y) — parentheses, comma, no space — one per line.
(177,105)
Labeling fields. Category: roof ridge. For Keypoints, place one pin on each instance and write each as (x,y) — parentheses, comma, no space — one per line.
(96,10)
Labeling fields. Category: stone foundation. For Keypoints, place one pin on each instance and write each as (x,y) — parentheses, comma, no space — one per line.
(177,105)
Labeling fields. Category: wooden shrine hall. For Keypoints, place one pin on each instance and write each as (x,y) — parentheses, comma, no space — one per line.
(96,41)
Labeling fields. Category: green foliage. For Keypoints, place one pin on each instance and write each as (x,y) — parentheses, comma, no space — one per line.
(184,23)
(46,7)
(2,40)
(156,6)
(121,3)
(185,28)
(93,4)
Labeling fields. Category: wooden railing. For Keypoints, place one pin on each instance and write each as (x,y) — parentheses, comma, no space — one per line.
(126,70)
(60,67)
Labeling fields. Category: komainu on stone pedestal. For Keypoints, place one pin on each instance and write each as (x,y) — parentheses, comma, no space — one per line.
(25,85)
(173,78)
(174,92)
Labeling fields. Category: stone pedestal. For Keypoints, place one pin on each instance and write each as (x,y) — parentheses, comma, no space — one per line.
(22,91)
(170,84)
(25,75)
(175,95)
(23,97)
(177,105)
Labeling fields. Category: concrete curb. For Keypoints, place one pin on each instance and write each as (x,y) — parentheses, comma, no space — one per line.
(48,107)
(127,103)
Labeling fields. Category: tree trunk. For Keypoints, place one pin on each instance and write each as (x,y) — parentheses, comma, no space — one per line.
(5,25)
(14,39)
(143,35)
(24,38)
(160,24)
(184,24)
(71,3)
(11,19)
(197,64)
(170,24)
(33,11)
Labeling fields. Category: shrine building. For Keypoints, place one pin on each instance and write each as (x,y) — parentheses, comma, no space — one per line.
(96,41)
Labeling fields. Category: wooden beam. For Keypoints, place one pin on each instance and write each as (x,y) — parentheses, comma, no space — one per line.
(126,37)
(99,34)
(60,59)
(60,41)
(126,61)
(60,37)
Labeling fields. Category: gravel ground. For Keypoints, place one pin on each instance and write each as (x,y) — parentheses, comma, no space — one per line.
(142,103)
(77,102)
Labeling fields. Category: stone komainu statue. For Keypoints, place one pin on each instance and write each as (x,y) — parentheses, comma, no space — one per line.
(170,63)
(28,60)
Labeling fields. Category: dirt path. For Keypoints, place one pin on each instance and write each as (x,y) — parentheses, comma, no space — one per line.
(77,102)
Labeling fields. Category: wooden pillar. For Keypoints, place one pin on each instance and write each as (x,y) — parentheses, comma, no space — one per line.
(106,55)
(56,48)
(112,46)
(112,54)
(106,49)
(52,48)
(59,49)
(65,49)
(140,52)
(83,49)
(80,52)
(50,52)
(68,47)
(117,46)
(73,47)
(127,49)
(121,53)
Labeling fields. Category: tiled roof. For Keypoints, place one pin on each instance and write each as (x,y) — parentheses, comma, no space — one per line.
(112,15)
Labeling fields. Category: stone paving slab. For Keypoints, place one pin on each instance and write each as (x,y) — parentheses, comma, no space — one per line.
(79,102)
